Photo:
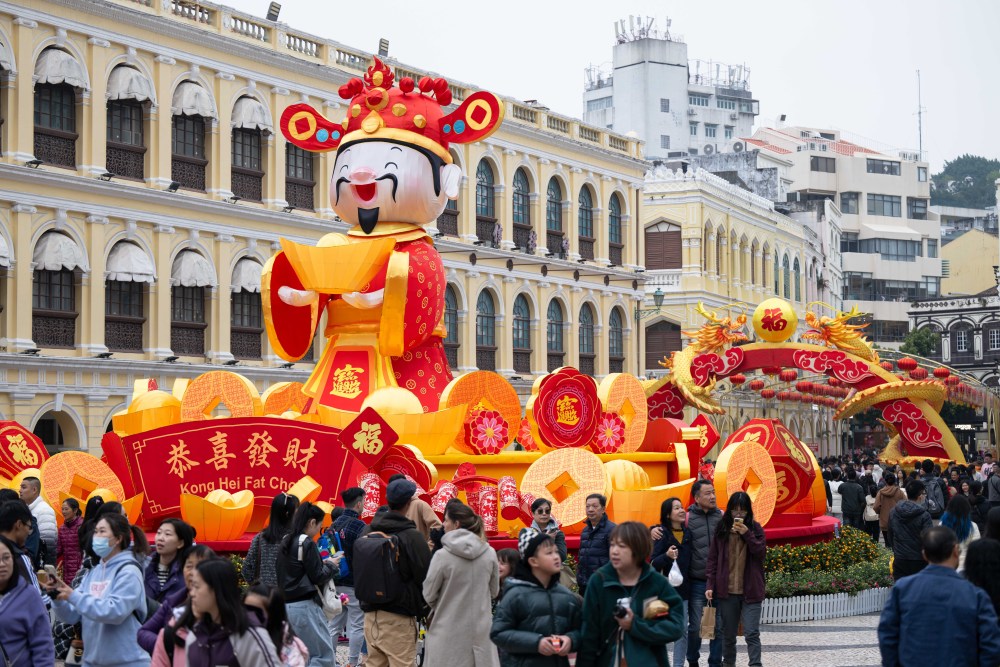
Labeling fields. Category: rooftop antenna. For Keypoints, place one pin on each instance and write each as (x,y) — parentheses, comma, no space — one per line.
(920,120)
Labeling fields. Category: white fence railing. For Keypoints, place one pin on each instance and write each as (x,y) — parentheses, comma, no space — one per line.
(819,607)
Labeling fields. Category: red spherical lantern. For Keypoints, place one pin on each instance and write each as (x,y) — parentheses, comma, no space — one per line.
(804,386)
(757,384)
(771,370)
(953,381)
(783,395)
(834,382)
(886,365)
(788,375)
(767,394)
(907,364)
(806,398)
(941,372)
(738,379)
(795,396)
(918,374)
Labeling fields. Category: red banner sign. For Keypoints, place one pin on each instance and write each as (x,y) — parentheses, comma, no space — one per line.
(259,454)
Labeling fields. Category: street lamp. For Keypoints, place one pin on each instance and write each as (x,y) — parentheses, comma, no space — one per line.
(641,314)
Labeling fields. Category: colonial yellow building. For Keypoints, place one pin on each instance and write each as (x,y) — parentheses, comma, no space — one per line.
(142,186)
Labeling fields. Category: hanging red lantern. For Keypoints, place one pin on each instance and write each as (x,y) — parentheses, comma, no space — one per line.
(771,370)
(782,395)
(795,396)
(833,382)
(806,398)
(804,386)
(941,372)
(788,375)
(767,394)
(907,364)
(886,365)
(756,385)
(953,381)
(918,374)
(738,379)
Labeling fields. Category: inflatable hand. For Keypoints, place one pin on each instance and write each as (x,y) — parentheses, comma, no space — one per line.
(365,300)
(297,297)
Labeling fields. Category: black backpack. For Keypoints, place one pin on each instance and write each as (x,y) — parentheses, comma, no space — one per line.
(378,578)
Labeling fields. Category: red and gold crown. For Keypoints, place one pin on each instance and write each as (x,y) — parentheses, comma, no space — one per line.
(412,114)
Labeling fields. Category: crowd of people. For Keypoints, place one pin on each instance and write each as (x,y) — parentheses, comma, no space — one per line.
(409,583)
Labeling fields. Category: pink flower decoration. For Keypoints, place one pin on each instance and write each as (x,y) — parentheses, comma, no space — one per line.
(486,432)
(610,434)
(525,438)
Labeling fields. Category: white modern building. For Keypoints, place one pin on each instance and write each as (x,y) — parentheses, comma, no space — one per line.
(678,106)
(890,237)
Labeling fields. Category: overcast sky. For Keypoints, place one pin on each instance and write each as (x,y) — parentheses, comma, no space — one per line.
(844,64)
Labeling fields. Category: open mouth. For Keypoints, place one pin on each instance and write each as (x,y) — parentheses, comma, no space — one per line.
(365,192)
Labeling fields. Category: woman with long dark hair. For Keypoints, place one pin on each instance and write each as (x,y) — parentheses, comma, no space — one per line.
(735,575)
(111,600)
(982,563)
(164,579)
(461,583)
(68,540)
(674,546)
(25,633)
(269,604)
(173,607)
(215,628)
(301,570)
(958,517)
(259,565)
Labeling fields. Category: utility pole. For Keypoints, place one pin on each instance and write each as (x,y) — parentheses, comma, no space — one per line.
(920,119)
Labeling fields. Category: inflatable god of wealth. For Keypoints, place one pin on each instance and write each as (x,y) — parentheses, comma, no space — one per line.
(383,283)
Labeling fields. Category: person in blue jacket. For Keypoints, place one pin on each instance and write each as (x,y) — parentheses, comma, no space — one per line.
(935,617)
(111,600)
(595,540)
(25,633)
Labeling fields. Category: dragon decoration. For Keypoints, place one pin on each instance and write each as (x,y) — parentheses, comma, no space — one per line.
(832,345)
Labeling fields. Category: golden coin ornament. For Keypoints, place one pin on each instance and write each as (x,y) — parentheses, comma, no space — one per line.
(775,320)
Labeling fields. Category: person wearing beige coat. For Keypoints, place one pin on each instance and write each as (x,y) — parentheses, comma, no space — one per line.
(463,580)
(885,500)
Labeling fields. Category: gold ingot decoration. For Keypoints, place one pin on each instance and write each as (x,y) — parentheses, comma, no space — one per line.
(148,411)
(643,505)
(219,516)
(338,265)
(306,490)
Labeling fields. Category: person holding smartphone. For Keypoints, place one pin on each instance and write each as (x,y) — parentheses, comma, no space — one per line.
(735,576)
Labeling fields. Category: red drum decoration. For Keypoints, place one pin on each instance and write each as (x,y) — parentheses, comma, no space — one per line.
(446,491)
(510,499)
(372,484)
(488,508)
(526,515)
(788,375)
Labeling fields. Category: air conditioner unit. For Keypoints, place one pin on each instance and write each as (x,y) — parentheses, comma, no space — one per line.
(823,148)
(692,112)
(733,116)
(738,146)
(709,149)
(945,268)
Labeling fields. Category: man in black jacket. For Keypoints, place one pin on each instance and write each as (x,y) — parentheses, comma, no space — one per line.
(391,628)
(907,522)
(934,501)
(346,529)
(595,540)
(703,520)
(852,500)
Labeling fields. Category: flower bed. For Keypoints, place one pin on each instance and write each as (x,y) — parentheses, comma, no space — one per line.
(850,563)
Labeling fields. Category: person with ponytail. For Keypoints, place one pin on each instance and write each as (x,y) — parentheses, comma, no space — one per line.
(300,571)
(461,583)
(259,565)
(111,599)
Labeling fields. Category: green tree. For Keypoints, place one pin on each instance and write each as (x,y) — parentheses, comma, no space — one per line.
(921,342)
(967,181)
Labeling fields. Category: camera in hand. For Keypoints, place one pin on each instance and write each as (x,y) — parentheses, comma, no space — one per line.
(622,607)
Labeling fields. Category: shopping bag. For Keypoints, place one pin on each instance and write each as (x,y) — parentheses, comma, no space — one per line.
(675,577)
(708,621)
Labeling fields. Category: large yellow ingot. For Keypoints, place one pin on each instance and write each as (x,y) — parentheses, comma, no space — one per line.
(644,504)
(150,410)
(338,264)
(219,516)
(15,483)
(626,475)
(132,506)
(306,490)
(432,432)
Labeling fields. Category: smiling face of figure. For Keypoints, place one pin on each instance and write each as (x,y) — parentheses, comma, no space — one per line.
(383,181)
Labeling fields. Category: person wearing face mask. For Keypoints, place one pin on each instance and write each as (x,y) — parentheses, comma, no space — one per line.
(150,634)
(25,635)
(111,600)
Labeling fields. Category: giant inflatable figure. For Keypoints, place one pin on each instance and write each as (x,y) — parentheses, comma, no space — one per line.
(383,283)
